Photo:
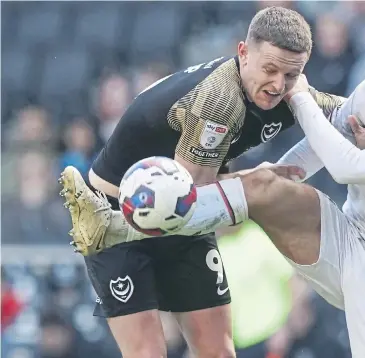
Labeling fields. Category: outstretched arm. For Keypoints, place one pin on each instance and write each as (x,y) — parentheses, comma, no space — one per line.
(303,156)
(344,161)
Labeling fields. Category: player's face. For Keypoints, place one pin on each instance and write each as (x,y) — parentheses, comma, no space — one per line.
(268,72)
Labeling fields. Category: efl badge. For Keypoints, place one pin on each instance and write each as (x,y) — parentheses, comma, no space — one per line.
(213,135)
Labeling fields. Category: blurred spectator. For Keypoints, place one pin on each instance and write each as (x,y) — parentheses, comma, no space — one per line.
(262,4)
(58,338)
(79,140)
(331,56)
(113,98)
(357,74)
(146,76)
(61,339)
(213,42)
(10,305)
(30,129)
(311,10)
(36,214)
(356,10)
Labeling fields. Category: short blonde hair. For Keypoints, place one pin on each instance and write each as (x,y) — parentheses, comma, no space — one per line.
(281,27)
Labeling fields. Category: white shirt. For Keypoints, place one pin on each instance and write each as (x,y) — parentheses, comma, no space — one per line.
(332,147)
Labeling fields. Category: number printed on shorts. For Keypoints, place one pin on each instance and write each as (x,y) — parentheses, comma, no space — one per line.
(214,262)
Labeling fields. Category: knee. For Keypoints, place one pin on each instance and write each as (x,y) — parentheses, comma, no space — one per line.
(258,183)
(262,178)
(262,187)
(100,184)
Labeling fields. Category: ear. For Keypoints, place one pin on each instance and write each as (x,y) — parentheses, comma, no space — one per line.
(242,50)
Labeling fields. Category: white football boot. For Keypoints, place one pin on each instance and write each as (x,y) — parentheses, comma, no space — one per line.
(90,213)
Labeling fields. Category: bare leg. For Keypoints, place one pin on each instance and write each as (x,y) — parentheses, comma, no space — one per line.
(139,335)
(288,212)
(208,332)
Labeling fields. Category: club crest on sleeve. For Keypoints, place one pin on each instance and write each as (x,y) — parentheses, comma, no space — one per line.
(213,135)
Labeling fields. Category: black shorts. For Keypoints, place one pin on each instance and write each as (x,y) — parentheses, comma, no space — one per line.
(176,273)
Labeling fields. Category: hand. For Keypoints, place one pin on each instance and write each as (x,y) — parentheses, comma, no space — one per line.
(291,172)
(301,86)
(358,130)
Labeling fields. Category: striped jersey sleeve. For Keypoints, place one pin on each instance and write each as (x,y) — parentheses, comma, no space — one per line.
(209,116)
(327,102)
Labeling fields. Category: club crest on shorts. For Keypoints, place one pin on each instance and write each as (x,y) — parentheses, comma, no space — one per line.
(269,131)
(213,135)
(122,288)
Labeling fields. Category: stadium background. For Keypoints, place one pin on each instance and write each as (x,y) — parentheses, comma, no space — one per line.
(68,71)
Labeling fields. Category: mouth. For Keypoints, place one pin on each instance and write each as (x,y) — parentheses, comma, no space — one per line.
(271,94)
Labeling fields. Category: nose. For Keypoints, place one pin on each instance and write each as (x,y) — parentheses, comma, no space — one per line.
(279,83)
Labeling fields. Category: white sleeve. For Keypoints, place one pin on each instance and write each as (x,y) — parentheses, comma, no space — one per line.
(303,156)
(344,161)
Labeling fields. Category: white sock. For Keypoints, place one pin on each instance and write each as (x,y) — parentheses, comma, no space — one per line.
(218,205)
(120,231)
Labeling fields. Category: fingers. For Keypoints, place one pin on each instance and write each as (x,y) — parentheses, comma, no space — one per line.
(354,124)
(291,172)
(296,173)
(265,165)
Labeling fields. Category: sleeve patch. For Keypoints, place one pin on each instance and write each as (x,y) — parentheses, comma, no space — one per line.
(212,135)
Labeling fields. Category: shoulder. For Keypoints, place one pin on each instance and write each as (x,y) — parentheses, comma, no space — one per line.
(218,96)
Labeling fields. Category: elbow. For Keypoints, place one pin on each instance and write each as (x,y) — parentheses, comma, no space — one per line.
(347,177)
(200,174)
(338,176)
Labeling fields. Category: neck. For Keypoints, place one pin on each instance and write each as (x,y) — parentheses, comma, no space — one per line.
(242,80)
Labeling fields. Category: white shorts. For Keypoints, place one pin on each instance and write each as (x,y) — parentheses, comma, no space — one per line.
(339,274)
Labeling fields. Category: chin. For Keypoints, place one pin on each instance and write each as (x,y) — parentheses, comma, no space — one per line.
(266,106)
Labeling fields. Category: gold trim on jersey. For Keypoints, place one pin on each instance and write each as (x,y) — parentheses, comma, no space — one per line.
(327,102)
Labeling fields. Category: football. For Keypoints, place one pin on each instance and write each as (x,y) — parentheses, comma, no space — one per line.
(157,196)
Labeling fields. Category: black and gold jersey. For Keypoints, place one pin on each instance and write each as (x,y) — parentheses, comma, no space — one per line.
(201,113)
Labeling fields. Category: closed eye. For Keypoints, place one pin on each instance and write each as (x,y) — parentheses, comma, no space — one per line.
(270,70)
(292,75)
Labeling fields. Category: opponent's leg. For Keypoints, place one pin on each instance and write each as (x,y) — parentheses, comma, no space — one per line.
(96,226)
(289,213)
(307,227)
(353,286)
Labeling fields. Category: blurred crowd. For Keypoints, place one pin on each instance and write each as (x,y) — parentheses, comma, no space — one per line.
(69,70)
